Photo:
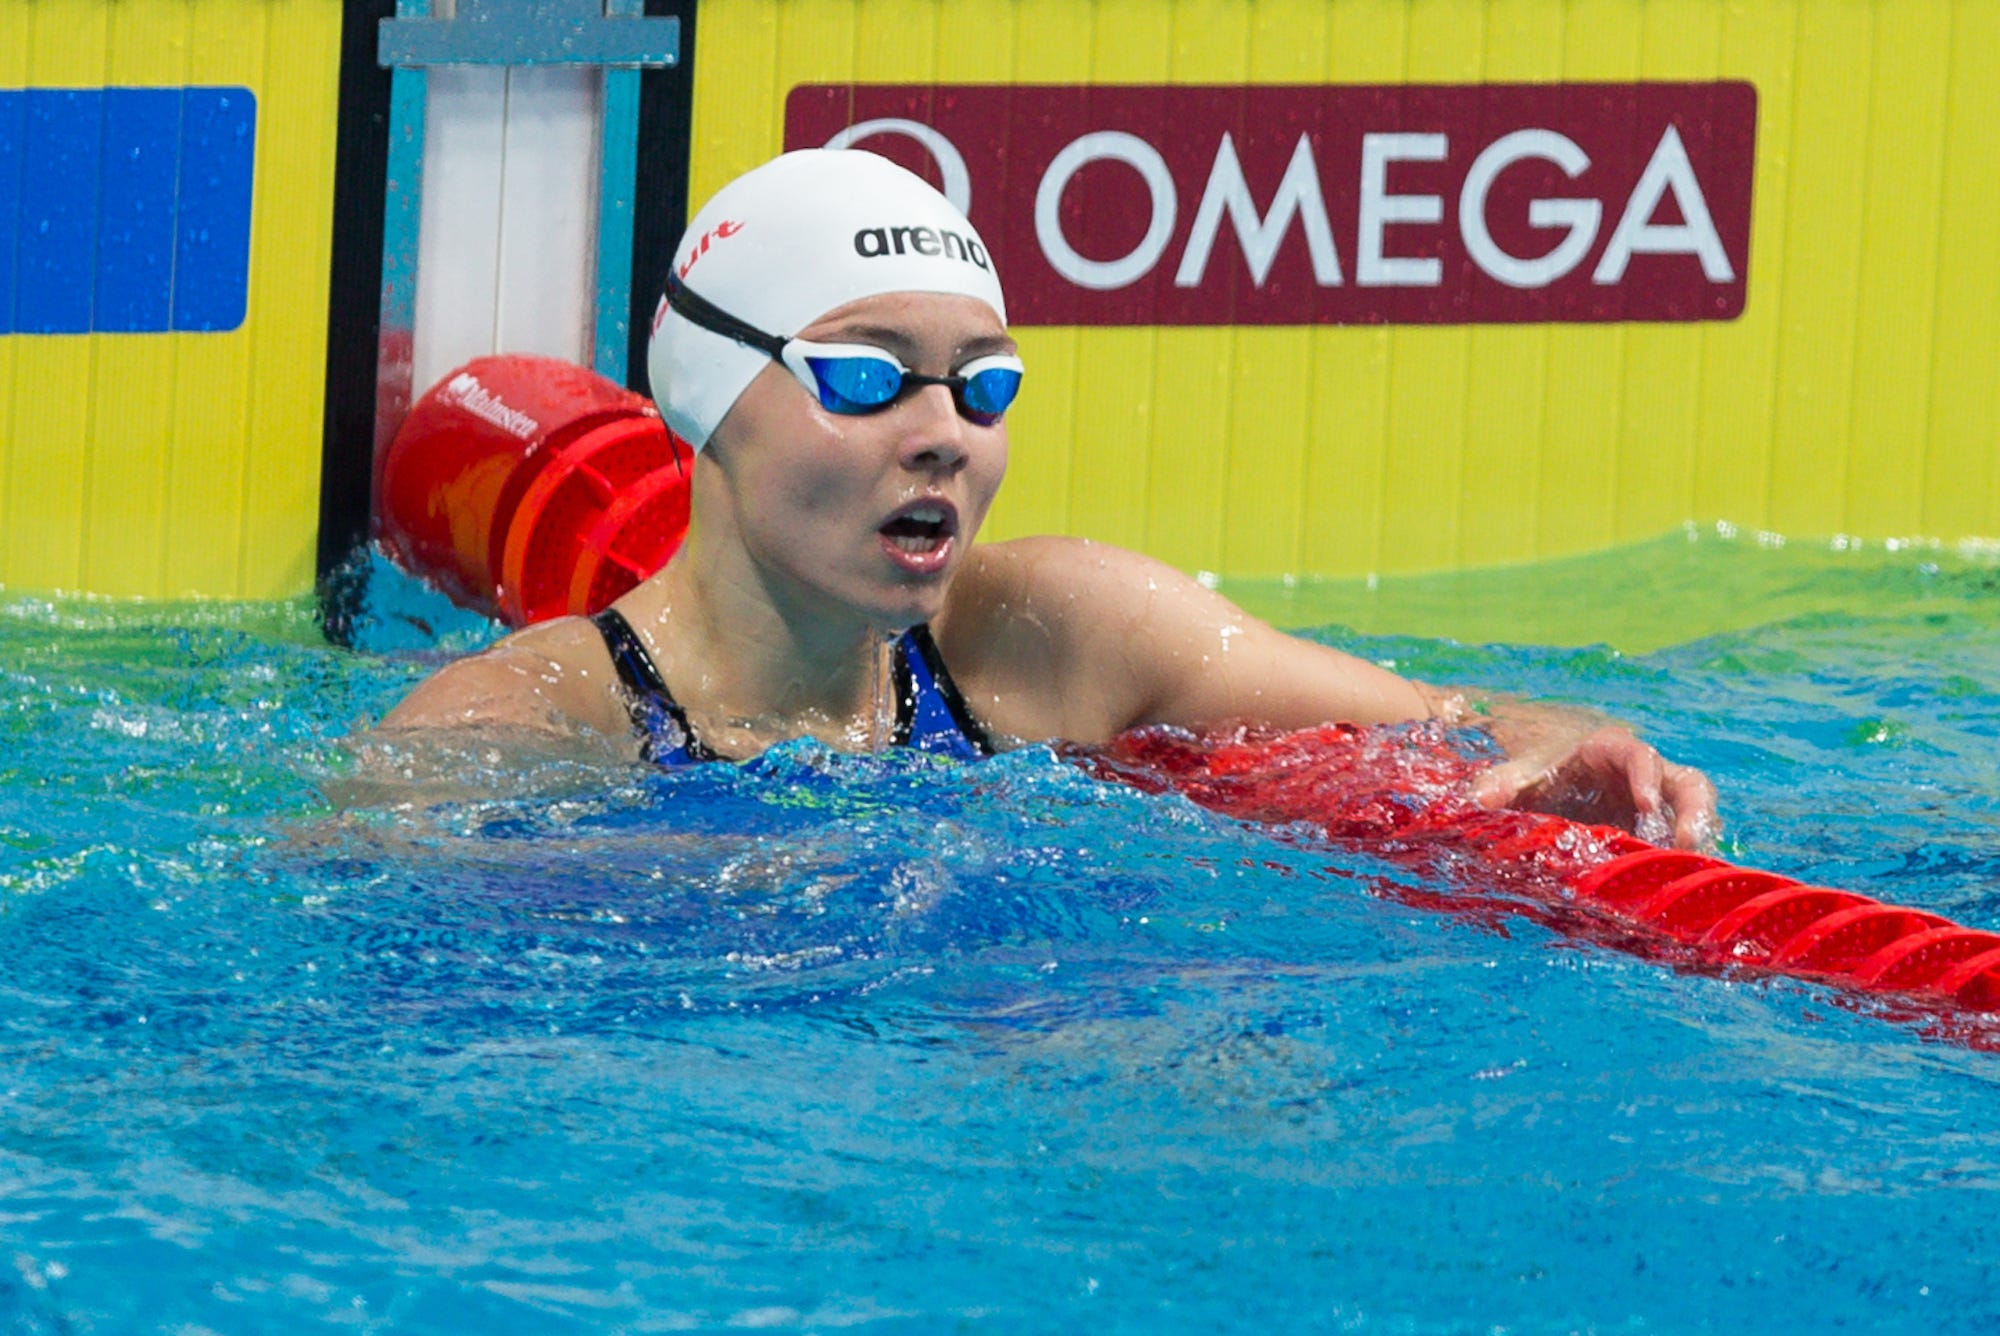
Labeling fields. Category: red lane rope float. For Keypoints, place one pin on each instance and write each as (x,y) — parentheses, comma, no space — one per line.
(1401,793)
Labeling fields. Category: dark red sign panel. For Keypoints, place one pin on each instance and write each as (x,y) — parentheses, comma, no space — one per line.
(1338,204)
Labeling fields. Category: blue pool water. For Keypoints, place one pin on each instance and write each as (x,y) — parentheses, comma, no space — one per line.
(832,1043)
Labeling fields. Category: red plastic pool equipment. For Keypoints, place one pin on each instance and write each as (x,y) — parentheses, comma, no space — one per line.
(1402,795)
(528,488)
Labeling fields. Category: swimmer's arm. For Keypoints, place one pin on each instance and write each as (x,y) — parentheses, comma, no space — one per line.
(1562,759)
(1187,656)
(466,758)
(517,709)
(541,683)
(1099,639)
(1577,763)
(1141,643)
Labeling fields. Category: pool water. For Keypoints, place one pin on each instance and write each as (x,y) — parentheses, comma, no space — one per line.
(881,1044)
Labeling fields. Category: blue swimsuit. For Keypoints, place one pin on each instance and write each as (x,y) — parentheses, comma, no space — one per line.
(930,713)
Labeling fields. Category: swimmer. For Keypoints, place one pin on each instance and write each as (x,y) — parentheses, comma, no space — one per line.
(834,344)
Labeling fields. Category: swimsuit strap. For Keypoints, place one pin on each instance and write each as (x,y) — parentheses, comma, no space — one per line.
(666,736)
(931,713)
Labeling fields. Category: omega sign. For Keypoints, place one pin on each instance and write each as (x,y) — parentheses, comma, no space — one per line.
(1343,204)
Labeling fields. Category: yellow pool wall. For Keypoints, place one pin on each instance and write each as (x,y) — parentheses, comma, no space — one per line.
(166,465)
(1855,395)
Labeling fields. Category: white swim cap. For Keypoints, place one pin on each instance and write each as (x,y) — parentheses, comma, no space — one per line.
(785,243)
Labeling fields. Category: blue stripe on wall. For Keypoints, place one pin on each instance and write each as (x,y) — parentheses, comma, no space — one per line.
(55,265)
(212,252)
(125,210)
(135,224)
(13,133)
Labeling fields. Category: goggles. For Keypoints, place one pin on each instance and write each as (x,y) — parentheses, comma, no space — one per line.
(854,378)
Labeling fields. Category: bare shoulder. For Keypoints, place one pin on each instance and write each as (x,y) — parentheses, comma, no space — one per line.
(1075,580)
(1039,599)
(554,677)
(1048,553)
(1070,638)
(1065,637)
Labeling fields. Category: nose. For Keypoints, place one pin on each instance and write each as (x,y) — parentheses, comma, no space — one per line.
(933,435)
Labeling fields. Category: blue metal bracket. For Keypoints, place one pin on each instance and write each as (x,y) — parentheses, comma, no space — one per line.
(530,32)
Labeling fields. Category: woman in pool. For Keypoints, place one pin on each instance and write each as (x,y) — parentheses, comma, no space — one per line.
(834,343)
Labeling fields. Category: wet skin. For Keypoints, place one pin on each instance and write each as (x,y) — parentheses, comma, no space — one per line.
(816,537)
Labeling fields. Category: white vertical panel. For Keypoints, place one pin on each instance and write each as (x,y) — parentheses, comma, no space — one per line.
(458,238)
(548,212)
(508,229)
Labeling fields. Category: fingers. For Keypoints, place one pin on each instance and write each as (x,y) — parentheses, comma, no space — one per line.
(1645,769)
(1641,774)
(1608,776)
(1614,778)
(1669,802)
(1692,797)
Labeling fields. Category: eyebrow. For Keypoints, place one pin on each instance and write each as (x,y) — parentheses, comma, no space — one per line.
(900,343)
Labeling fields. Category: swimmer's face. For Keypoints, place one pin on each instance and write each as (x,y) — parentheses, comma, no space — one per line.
(874,511)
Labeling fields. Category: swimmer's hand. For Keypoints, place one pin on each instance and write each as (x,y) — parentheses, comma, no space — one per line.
(1579,764)
(1608,777)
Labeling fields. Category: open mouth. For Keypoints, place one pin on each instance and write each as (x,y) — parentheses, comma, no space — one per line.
(921,529)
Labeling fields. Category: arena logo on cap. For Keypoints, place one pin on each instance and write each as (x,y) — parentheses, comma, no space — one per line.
(871,242)
(1423,204)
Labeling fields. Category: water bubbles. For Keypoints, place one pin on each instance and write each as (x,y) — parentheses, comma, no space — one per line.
(123,725)
(36,1274)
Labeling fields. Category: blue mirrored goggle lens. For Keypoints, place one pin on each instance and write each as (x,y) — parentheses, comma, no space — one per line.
(988,393)
(860,382)
(856,384)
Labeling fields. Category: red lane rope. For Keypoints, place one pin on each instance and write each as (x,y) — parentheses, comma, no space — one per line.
(1401,793)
